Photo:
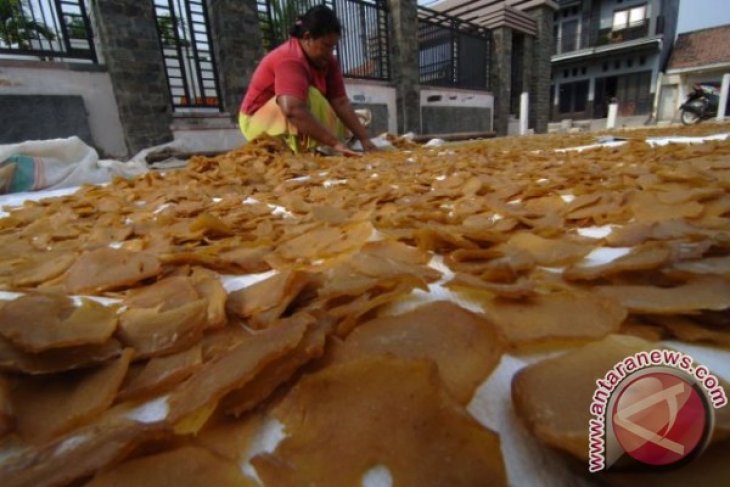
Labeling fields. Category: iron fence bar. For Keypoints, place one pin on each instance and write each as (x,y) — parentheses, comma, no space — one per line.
(271,27)
(378,22)
(364,33)
(445,42)
(211,53)
(364,22)
(180,57)
(33,14)
(64,29)
(88,31)
(161,37)
(45,22)
(386,29)
(196,56)
(454,53)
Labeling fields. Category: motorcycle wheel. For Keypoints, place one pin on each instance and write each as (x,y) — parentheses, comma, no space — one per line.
(689,118)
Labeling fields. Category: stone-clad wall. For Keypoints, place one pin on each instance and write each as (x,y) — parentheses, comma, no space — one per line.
(540,86)
(134,60)
(237,42)
(404,63)
(501,71)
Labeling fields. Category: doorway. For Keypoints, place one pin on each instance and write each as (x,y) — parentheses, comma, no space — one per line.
(606,90)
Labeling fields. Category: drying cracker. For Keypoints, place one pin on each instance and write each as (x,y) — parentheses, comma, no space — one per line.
(561,315)
(160,374)
(282,369)
(194,401)
(188,466)
(379,411)
(151,332)
(48,406)
(465,347)
(553,397)
(37,323)
(13,359)
(703,293)
(106,269)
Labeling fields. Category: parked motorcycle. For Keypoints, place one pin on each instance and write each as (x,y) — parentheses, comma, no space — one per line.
(701,104)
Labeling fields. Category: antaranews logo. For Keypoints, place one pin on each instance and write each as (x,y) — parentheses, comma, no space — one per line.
(657,407)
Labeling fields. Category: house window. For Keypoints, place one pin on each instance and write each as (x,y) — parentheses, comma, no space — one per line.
(569,39)
(630,17)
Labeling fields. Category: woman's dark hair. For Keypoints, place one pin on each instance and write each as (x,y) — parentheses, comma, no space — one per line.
(318,21)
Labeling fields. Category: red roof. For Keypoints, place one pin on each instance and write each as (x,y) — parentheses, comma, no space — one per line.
(701,47)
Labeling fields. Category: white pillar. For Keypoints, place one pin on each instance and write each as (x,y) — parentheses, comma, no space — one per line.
(657,96)
(723,97)
(524,110)
(612,114)
(682,91)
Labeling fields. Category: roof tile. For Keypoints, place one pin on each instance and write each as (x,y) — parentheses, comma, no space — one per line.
(701,47)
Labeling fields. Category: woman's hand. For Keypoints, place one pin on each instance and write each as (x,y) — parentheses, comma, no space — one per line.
(368,146)
(345,151)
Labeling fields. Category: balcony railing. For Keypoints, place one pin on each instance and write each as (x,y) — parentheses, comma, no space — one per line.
(604,37)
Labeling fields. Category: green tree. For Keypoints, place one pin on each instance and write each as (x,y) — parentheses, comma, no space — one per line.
(17,28)
(76,27)
(168,30)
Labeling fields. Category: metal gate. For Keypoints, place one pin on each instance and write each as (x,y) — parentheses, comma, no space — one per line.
(452,52)
(187,49)
(363,50)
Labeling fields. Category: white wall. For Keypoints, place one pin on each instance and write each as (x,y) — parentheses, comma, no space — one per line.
(454,97)
(95,88)
(205,132)
(375,92)
(669,102)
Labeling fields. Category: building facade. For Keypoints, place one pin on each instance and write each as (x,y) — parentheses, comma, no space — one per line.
(699,57)
(522,38)
(606,50)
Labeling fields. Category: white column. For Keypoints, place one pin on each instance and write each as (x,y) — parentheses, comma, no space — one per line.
(612,114)
(682,90)
(723,97)
(524,110)
(657,96)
